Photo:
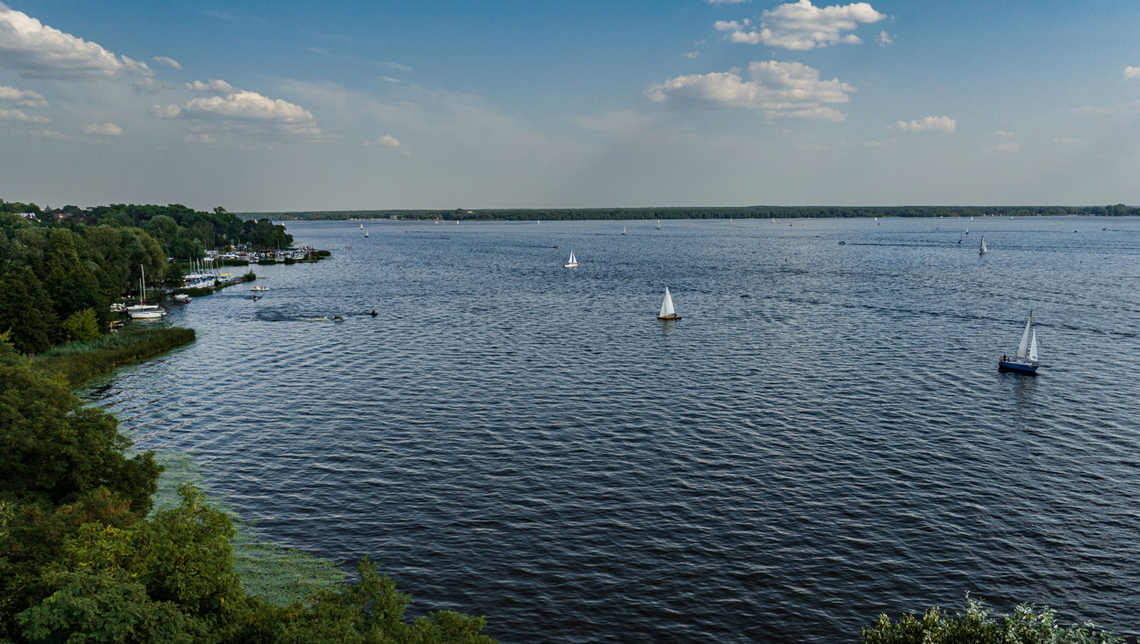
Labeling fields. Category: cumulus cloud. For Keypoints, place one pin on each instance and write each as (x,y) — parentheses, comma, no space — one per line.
(18,115)
(802,25)
(884,39)
(1132,72)
(103,129)
(169,62)
(1003,147)
(242,112)
(23,98)
(776,89)
(214,85)
(386,140)
(36,50)
(928,124)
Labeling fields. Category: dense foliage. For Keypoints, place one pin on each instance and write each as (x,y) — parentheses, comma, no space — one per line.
(743,212)
(83,558)
(182,232)
(977,626)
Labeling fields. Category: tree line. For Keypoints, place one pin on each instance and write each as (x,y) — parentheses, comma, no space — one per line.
(59,278)
(743,212)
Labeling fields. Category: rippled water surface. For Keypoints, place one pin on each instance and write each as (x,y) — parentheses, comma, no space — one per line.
(823,437)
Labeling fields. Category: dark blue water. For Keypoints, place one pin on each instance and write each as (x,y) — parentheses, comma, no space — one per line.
(823,437)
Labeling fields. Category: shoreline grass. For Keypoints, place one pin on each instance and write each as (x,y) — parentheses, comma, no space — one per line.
(79,362)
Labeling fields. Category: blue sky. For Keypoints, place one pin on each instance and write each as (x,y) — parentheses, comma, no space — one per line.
(289,106)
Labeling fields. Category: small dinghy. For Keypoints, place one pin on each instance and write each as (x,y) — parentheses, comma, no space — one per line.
(1026,360)
(667,312)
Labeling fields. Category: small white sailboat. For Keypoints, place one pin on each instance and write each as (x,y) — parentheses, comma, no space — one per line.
(658,224)
(667,312)
(1026,360)
(362,226)
(623,230)
(144,311)
(572,262)
(982,250)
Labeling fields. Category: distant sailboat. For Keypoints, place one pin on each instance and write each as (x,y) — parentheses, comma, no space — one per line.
(658,224)
(362,226)
(572,262)
(982,250)
(667,312)
(623,230)
(1026,360)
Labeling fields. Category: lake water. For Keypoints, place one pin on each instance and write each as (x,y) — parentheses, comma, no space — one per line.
(824,436)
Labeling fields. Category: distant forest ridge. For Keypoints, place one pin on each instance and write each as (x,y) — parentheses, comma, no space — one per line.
(743,212)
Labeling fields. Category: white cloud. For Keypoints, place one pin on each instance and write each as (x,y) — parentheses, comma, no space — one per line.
(386,140)
(49,134)
(23,98)
(1002,133)
(928,124)
(216,86)
(692,54)
(198,138)
(104,129)
(169,62)
(242,112)
(36,50)
(18,115)
(1132,72)
(1003,147)
(884,39)
(1126,108)
(778,90)
(1064,141)
(802,25)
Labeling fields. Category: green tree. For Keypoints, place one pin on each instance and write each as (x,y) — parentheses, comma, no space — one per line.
(80,327)
(26,311)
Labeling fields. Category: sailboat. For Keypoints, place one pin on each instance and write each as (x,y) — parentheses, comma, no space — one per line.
(144,311)
(982,250)
(623,230)
(658,224)
(362,226)
(1026,360)
(667,312)
(572,262)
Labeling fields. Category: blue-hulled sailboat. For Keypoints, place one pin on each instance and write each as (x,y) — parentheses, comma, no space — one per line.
(1026,360)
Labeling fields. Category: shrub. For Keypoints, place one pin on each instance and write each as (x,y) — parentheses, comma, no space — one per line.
(976,626)
(81,326)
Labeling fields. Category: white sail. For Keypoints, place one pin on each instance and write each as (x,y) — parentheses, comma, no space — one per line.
(667,306)
(1033,347)
(1025,338)
(983,248)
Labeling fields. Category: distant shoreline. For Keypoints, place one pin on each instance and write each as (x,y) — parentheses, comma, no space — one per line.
(743,212)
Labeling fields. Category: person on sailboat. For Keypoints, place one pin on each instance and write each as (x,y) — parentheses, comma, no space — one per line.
(373,312)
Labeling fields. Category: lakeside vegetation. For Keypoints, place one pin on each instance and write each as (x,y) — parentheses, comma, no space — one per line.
(978,625)
(83,558)
(742,212)
(78,362)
